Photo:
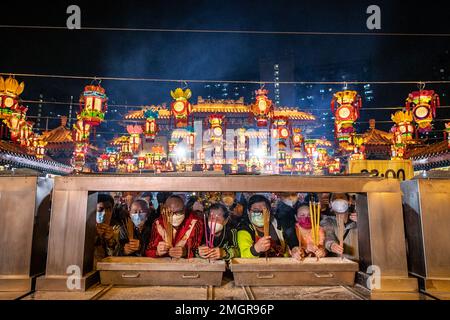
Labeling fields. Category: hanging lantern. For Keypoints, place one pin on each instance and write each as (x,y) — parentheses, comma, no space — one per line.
(158,153)
(112,157)
(135,132)
(79,156)
(93,104)
(447,132)
(141,163)
(297,139)
(181,108)
(105,161)
(310,147)
(81,130)
(423,104)
(334,166)
(25,133)
(100,164)
(130,164)
(403,124)
(10,89)
(280,129)
(358,151)
(15,121)
(262,109)
(216,121)
(346,113)
(151,128)
(191,136)
(40,148)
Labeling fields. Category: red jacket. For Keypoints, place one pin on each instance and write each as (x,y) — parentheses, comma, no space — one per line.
(189,235)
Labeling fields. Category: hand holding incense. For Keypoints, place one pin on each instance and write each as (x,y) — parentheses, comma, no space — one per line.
(266,216)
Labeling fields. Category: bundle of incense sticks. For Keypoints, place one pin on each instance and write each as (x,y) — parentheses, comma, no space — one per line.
(130,229)
(314,211)
(266,216)
(167,216)
(341,225)
(209,236)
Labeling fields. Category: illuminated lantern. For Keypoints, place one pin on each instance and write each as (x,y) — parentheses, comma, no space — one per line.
(334,166)
(403,124)
(130,164)
(358,151)
(447,132)
(423,104)
(79,156)
(151,128)
(112,159)
(172,145)
(297,139)
(216,120)
(141,163)
(346,113)
(25,133)
(310,147)
(40,148)
(135,137)
(158,153)
(262,109)
(81,130)
(191,136)
(93,104)
(10,89)
(181,108)
(105,161)
(15,121)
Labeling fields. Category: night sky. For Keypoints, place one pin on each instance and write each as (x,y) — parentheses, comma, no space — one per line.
(223,56)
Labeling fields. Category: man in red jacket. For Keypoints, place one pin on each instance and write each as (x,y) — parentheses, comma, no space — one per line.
(187,233)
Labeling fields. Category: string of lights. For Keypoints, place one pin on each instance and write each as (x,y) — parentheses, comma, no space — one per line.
(215,31)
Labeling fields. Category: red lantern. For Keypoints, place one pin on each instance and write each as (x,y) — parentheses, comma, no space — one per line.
(135,137)
(216,120)
(280,125)
(93,104)
(151,128)
(423,104)
(181,108)
(81,130)
(262,108)
(79,156)
(15,121)
(310,147)
(10,89)
(347,112)
(141,163)
(297,139)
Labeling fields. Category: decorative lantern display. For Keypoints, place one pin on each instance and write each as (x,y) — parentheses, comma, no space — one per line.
(135,132)
(334,166)
(280,130)
(310,147)
(297,139)
(105,161)
(346,113)
(26,132)
(112,157)
(141,163)
(447,132)
(151,128)
(216,121)
(262,108)
(130,162)
(181,107)
(423,104)
(40,147)
(172,145)
(403,124)
(81,130)
(358,150)
(281,154)
(79,156)
(15,121)
(10,89)
(158,153)
(93,104)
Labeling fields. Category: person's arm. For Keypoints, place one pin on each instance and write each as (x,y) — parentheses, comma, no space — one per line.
(330,235)
(246,244)
(155,238)
(231,248)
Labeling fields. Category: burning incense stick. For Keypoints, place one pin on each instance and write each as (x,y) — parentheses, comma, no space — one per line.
(130,229)
(167,215)
(340,225)
(314,211)
(266,216)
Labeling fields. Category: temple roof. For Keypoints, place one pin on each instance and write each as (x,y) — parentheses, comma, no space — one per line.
(376,137)
(58,135)
(14,154)
(429,150)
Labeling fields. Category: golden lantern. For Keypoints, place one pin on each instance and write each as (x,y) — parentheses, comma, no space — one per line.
(100,167)
(262,109)
(135,132)
(10,89)
(40,147)
(26,132)
(346,113)
(297,138)
(181,107)
(280,130)
(15,121)
(79,156)
(216,121)
(423,105)
(403,124)
(141,163)
(151,128)
(112,159)
(81,130)
(310,147)
(93,104)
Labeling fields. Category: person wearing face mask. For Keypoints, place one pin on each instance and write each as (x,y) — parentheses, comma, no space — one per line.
(303,227)
(187,232)
(339,205)
(225,235)
(285,214)
(251,240)
(106,228)
(141,218)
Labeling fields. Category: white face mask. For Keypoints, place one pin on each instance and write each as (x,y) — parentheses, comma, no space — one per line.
(137,218)
(289,202)
(339,205)
(218,227)
(177,220)
(100,216)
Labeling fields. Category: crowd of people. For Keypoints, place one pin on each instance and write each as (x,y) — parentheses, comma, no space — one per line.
(223,225)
